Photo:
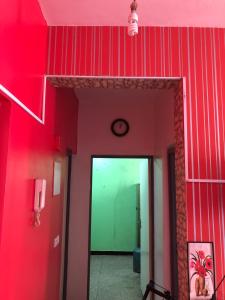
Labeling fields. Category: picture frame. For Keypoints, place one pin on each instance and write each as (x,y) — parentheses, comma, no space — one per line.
(201,270)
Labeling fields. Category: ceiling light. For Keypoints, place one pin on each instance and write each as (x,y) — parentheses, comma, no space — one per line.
(133,19)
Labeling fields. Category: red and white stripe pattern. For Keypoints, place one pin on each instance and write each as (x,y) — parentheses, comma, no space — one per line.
(206,221)
(198,54)
(195,53)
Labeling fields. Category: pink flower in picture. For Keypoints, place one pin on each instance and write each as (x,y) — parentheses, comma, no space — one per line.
(209,263)
(202,271)
(201,263)
(201,254)
(197,265)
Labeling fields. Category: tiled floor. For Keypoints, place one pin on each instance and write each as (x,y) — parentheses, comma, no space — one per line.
(112,278)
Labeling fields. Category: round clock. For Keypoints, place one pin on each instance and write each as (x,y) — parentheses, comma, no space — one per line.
(120,127)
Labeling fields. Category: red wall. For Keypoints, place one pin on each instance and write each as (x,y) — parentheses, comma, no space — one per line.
(66,120)
(30,266)
(23,35)
(197,54)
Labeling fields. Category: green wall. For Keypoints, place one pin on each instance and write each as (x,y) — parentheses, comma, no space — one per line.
(114,195)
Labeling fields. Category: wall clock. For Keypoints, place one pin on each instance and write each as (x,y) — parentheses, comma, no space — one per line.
(120,127)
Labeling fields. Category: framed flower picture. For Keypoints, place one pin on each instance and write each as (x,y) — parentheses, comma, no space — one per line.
(201,272)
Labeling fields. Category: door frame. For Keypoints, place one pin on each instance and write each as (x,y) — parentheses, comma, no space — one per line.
(178,84)
(173,220)
(151,210)
(65,229)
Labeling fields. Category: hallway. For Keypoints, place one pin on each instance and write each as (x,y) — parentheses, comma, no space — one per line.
(69,72)
(112,277)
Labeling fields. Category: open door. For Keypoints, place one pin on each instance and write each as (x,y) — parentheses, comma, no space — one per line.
(146,213)
(142,190)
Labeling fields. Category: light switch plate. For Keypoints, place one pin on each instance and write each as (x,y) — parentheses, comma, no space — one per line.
(57,178)
(56,241)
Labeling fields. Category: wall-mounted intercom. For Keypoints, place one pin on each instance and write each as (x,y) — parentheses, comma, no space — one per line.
(39,199)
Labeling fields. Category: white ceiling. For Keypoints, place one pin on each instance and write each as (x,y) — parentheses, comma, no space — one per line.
(200,13)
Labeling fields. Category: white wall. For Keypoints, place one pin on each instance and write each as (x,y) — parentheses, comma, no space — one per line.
(97,109)
(164,137)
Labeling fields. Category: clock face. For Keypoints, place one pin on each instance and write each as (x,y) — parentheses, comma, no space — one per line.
(120,127)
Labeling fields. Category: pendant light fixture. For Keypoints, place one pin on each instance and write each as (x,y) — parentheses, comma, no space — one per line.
(133,19)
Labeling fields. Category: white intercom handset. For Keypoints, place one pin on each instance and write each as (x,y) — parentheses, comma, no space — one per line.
(39,199)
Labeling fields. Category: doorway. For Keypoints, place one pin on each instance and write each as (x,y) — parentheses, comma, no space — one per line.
(101,101)
(120,241)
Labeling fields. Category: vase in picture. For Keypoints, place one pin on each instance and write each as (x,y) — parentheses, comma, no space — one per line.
(201,285)
(197,286)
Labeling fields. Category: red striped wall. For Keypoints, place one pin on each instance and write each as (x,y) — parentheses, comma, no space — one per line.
(198,54)
(206,221)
